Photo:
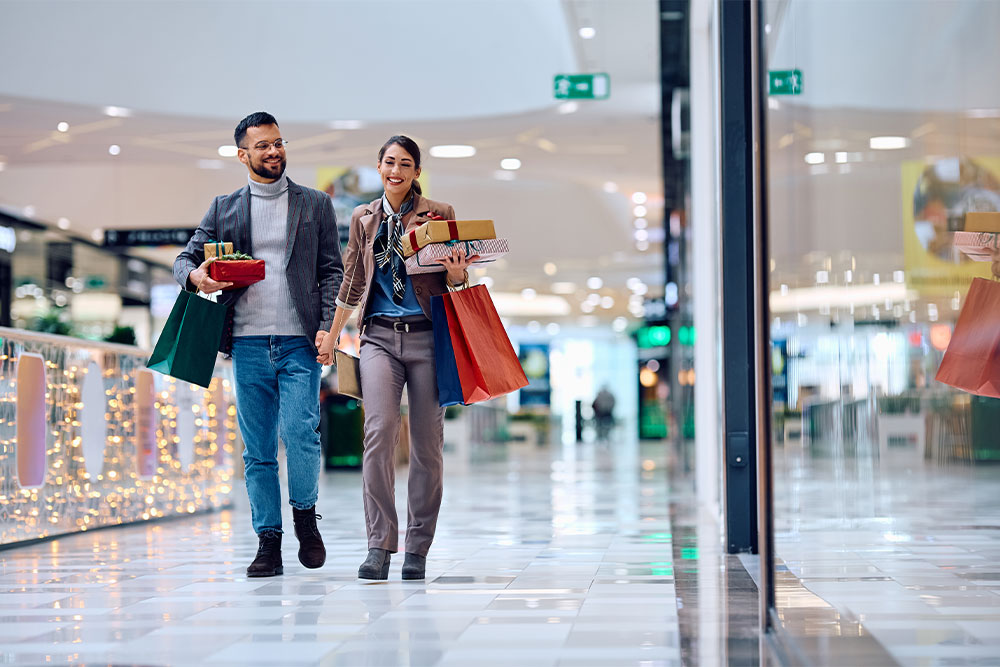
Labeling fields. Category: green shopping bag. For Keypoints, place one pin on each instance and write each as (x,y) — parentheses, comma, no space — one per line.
(189,343)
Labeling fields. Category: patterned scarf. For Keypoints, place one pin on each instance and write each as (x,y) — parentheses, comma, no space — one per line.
(388,247)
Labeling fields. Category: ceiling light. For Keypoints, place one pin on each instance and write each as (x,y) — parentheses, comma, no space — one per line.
(228,150)
(114,149)
(587,32)
(888,143)
(29,211)
(345,124)
(619,324)
(638,197)
(639,211)
(552,328)
(633,282)
(642,246)
(640,223)
(840,157)
(593,298)
(211,164)
(528,293)
(97,235)
(639,290)
(587,307)
(63,126)
(641,235)
(563,288)
(610,187)
(117,112)
(607,302)
(63,223)
(815,158)
(568,107)
(534,326)
(510,163)
(595,282)
(898,276)
(549,268)
(502,175)
(453,151)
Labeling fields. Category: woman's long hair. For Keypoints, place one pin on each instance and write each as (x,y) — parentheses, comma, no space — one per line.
(408,145)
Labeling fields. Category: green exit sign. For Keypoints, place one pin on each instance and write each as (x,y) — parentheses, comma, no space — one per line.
(785,82)
(582,86)
(652,336)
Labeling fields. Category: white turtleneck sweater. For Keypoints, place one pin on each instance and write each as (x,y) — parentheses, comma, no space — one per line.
(266,309)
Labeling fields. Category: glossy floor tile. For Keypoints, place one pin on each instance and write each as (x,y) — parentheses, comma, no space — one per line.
(544,556)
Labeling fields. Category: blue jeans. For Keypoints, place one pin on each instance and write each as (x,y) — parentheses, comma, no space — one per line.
(277,391)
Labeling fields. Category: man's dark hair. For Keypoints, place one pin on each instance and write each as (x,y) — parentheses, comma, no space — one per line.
(256,119)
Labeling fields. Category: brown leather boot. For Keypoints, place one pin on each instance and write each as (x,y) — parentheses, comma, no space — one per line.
(312,553)
(268,560)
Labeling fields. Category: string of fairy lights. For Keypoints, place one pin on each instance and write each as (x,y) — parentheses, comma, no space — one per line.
(141,473)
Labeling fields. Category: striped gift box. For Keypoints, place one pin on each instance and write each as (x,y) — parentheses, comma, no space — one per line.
(979,246)
(487,249)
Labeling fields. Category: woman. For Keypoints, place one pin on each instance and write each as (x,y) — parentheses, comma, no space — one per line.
(397,348)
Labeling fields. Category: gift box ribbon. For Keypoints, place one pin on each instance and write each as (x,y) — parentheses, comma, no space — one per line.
(452,234)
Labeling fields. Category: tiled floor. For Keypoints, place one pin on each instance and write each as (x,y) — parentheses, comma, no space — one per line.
(911,550)
(558,556)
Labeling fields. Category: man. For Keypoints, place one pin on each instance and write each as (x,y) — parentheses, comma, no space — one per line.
(275,329)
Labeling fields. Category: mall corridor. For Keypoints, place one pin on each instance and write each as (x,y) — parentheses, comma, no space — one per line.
(557,556)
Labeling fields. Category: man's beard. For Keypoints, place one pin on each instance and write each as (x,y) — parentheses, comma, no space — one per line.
(261,170)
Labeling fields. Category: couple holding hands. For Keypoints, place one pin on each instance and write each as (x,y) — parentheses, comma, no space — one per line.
(284,327)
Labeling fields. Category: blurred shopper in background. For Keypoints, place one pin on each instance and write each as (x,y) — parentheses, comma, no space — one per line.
(276,327)
(397,348)
(604,412)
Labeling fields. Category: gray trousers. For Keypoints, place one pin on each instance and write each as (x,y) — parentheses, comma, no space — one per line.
(389,360)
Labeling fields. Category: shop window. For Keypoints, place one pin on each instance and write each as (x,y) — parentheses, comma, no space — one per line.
(145,424)
(93,420)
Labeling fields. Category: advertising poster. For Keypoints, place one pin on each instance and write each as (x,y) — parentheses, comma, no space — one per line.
(936,197)
(534,359)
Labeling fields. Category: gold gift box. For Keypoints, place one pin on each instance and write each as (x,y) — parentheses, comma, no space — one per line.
(211,248)
(439,231)
(982,222)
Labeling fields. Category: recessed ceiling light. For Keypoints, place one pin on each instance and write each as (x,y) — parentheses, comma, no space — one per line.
(534,326)
(610,187)
(453,151)
(63,126)
(97,235)
(510,163)
(840,157)
(815,158)
(63,223)
(640,223)
(639,211)
(595,282)
(641,235)
(642,246)
(619,324)
(528,293)
(550,269)
(114,149)
(888,143)
(568,107)
(228,150)
(607,302)
(29,211)
(563,288)
(587,307)
(117,112)
(346,124)
(587,32)
(639,197)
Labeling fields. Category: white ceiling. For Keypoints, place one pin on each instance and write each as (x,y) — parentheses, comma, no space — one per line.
(443,72)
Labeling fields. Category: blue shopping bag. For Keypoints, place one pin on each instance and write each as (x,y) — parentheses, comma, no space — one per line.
(449,386)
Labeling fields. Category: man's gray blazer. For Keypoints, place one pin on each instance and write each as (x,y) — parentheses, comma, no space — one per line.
(312,264)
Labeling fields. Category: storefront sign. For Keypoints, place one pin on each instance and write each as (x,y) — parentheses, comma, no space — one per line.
(121,238)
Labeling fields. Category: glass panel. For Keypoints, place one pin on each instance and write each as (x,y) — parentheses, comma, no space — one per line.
(883,126)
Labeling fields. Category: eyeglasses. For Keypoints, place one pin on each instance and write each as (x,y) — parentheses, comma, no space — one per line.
(279,144)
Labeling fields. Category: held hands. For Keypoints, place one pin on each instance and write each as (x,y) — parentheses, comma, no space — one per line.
(456,265)
(200,279)
(326,343)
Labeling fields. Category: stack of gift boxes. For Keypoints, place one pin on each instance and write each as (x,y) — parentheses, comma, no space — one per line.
(229,267)
(436,239)
(981,236)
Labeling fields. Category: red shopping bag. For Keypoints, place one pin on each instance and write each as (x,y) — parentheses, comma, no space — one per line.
(487,365)
(972,360)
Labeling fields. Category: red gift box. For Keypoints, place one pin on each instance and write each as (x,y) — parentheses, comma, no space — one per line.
(241,273)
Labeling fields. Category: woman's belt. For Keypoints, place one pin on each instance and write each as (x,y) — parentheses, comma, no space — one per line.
(400,326)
